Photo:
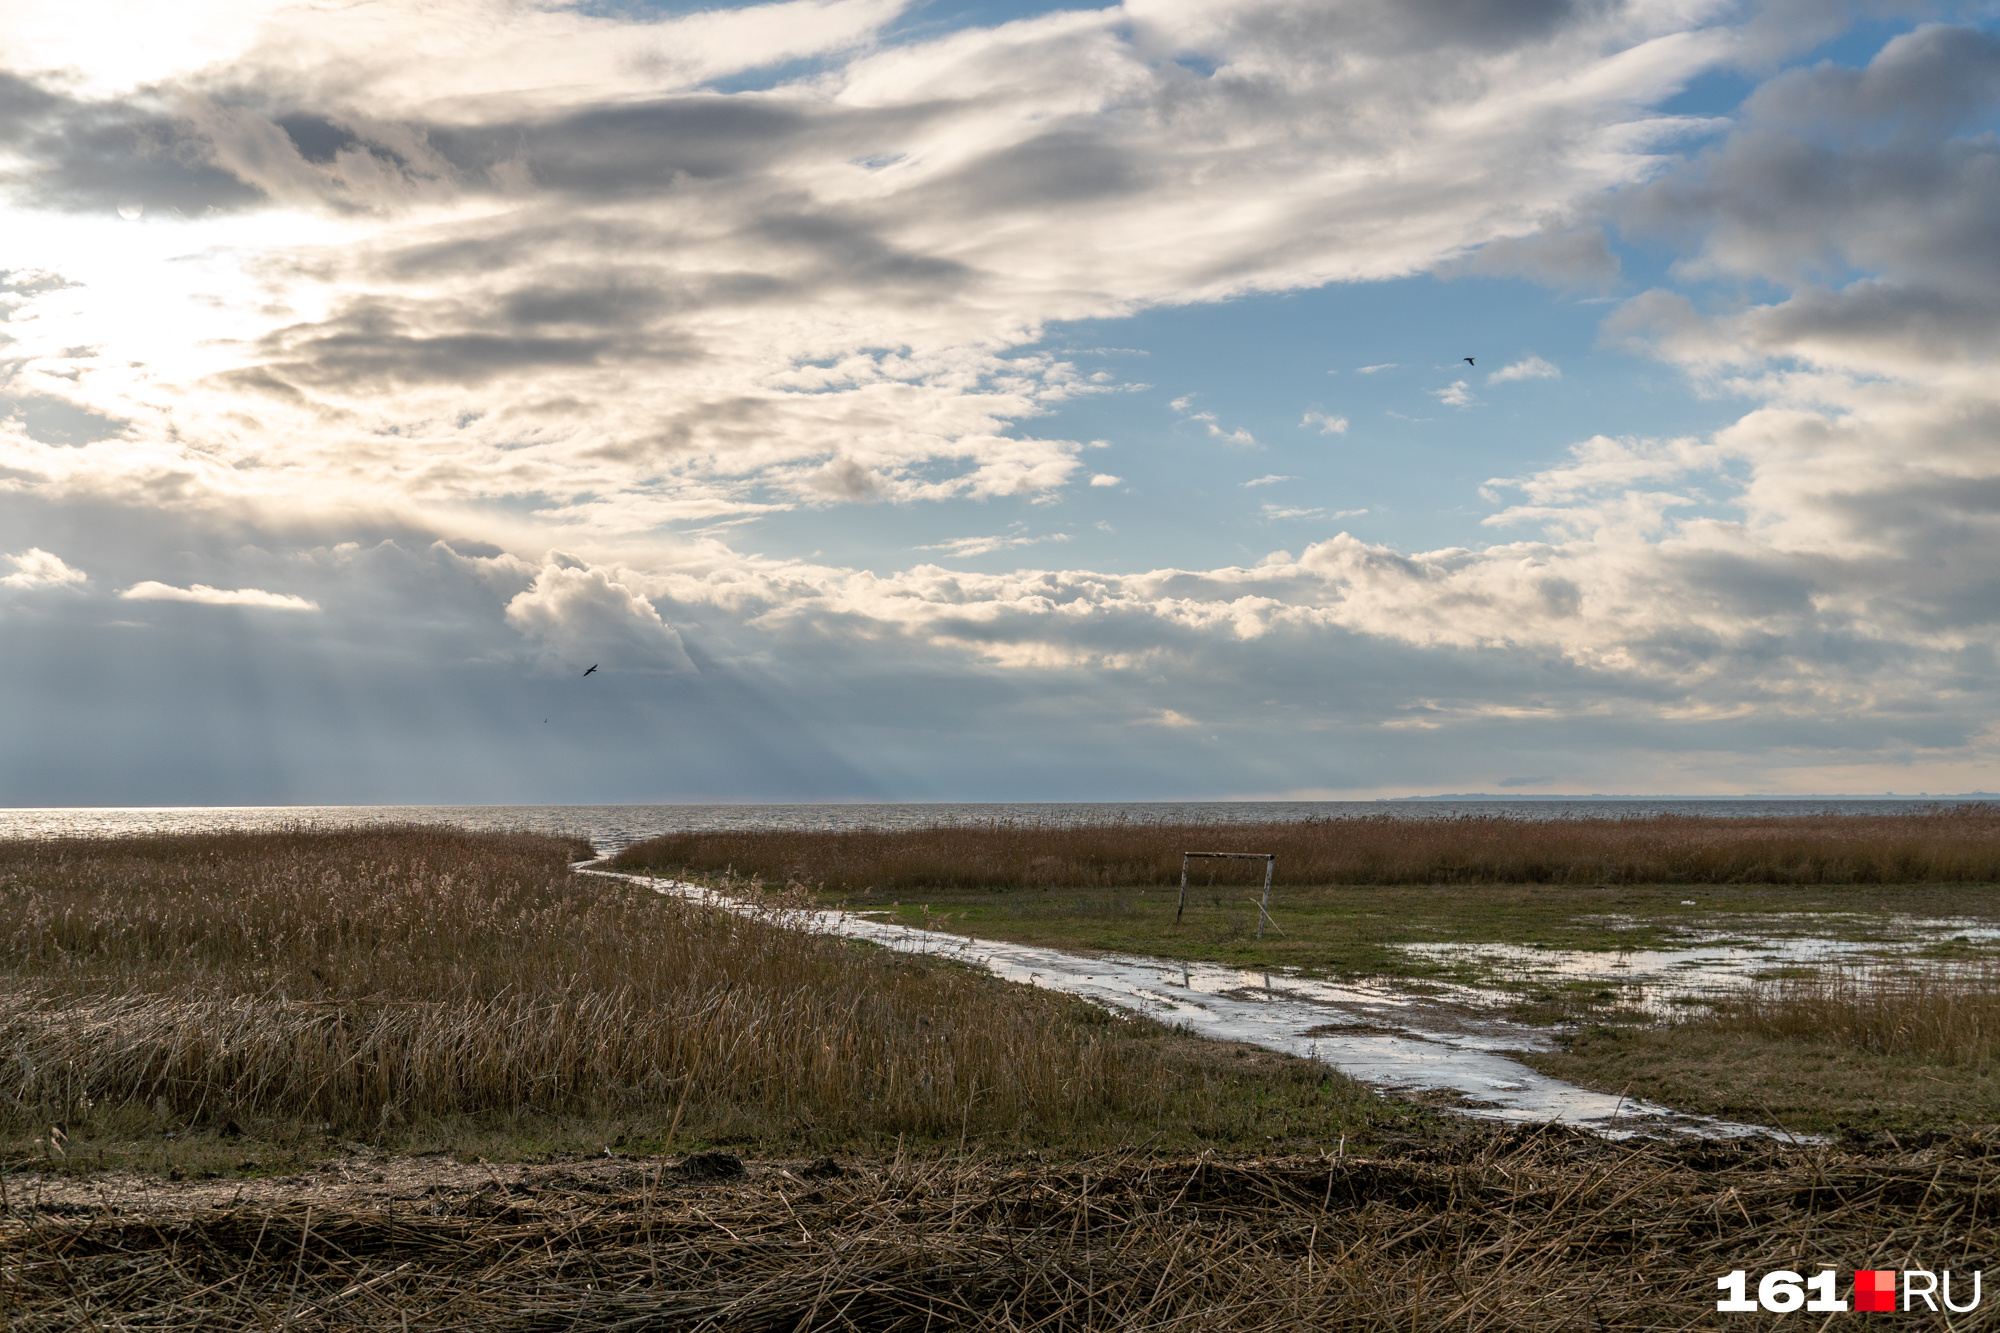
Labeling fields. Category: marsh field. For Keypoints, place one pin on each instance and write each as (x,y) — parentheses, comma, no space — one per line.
(415,1077)
(1855,959)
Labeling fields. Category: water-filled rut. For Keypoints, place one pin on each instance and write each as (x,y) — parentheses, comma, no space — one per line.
(1445,1045)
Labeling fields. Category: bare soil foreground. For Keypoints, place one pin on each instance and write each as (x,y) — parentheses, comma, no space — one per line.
(1481,1230)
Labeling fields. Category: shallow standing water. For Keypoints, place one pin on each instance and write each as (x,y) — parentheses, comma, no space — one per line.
(1381,1036)
(1447,1042)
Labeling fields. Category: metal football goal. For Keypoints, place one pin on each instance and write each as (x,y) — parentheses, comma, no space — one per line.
(1270,860)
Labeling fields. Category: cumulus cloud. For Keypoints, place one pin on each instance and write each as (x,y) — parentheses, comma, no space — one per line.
(583,614)
(526,273)
(36,568)
(1529,368)
(151,591)
(1272,480)
(1328,425)
(544,259)
(1105,479)
(1238,438)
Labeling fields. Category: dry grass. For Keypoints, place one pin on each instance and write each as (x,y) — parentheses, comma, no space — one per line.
(1536,1232)
(1958,845)
(1894,1048)
(370,981)
(1943,1013)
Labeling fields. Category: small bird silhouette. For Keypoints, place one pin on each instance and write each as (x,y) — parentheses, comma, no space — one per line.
(593,667)
(1468,360)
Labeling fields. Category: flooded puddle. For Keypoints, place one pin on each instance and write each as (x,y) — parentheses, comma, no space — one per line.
(1449,1042)
(1662,982)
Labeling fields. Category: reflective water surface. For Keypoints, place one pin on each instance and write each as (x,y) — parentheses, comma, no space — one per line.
(612,827)
(1449,1043)
(1442,1039)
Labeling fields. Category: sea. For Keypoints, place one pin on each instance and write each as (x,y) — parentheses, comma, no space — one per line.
(612,827)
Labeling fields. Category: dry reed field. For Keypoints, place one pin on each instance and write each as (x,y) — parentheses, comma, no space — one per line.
(374,982)
(1955,845)
(1013,1160)
(1534,1231)
(1943,1013)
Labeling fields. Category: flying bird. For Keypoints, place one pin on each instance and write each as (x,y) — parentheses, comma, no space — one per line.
(1468,360)
(593,667)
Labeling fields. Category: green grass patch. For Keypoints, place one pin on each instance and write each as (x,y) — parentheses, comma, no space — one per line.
(1355,930)
(1801,1085)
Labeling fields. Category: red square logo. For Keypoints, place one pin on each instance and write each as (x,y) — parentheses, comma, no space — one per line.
(1875,1289)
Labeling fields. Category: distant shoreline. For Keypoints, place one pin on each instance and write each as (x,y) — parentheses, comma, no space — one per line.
(1753,796)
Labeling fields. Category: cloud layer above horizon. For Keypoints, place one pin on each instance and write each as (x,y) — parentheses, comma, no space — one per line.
(368,370)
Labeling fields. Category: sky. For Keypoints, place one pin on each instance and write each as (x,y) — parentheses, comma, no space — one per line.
(986,400)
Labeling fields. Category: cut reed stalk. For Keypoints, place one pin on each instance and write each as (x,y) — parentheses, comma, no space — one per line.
(1536,1231)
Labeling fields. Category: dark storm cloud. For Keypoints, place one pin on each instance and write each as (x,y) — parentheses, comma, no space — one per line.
(588,298)
(318,139)
(1487,23)
(1924,82)
(628,151)
(22,104)
(840,249)
(377,343)
(1836,169)
(100,155)
(229,150)
(1395,27)
(1057,170)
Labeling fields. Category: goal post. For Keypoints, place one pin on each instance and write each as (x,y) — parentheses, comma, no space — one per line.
(1270,860)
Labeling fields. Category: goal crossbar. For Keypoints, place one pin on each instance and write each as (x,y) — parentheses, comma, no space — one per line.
(1270,860)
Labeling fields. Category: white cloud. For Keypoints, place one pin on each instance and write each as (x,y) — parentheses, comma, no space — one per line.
(1270,480)
(498,273)
(1235,439)
(151,591)
(1531,368)
(437,232)
(1371,370)
(1327,425)
(964,546)
(1105,479)
(36,568)
(585,615)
